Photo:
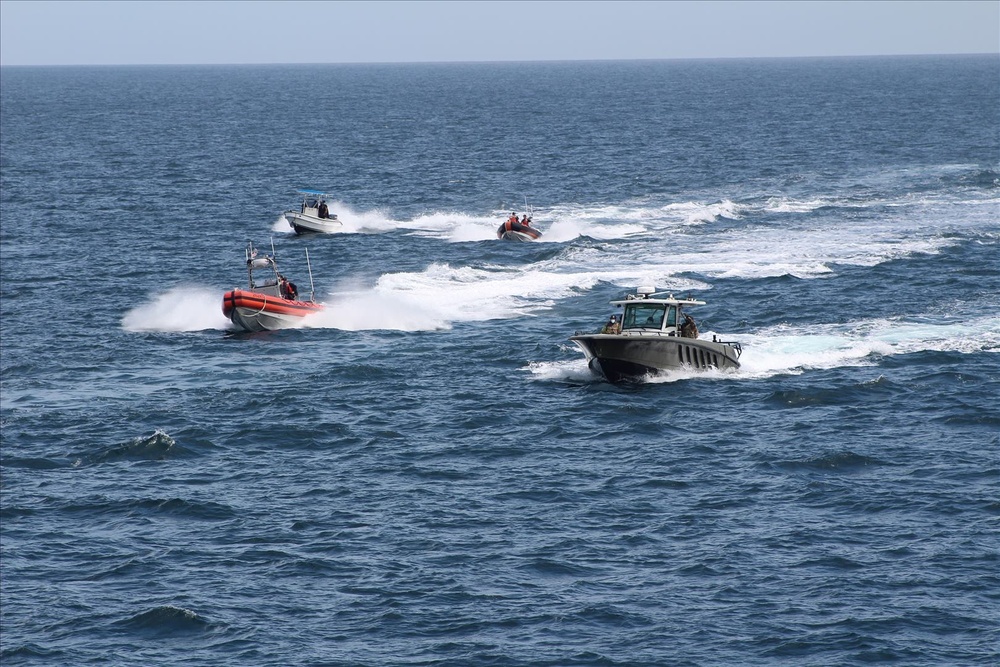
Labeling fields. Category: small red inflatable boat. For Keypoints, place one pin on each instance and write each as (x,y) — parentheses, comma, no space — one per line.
(517,231)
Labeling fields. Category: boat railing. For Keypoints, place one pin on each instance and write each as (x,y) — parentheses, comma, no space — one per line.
(633,331)
(736,345)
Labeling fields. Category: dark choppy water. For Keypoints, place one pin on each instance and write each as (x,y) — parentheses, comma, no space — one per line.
(428,474)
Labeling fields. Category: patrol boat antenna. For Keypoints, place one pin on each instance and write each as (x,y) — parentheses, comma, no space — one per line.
(312,290)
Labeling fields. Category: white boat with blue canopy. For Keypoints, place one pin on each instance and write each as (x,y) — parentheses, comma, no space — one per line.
(314,214)
(653,334)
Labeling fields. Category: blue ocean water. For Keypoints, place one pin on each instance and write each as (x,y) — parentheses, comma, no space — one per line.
(428,473)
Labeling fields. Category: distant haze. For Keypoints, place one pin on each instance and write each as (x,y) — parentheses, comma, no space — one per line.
(121,33)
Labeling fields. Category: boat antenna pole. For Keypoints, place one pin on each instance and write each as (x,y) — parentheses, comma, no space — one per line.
(312,290)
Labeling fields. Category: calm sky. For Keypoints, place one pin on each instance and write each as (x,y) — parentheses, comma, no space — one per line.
(190,32)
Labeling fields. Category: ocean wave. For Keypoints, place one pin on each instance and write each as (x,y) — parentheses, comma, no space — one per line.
(168,621)
(156,447)
(30,652)
(840,462)
(30,463)
(209,511)
(847,395)
(982,178)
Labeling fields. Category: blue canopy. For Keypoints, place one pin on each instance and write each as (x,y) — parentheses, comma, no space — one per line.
(311,192)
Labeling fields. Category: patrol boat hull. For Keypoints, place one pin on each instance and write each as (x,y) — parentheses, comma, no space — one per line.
(303,223)
(629,357)
(653,334)
(313,215)
(252,310)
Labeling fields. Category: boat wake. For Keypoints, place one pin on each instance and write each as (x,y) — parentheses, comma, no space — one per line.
(793,350)
(375,310)
(179,309)
(439,297)
(458,227)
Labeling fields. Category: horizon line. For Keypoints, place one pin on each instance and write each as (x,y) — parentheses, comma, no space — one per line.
(497,62)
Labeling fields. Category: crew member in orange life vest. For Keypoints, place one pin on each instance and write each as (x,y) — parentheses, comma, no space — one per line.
(513,218)
(288,289)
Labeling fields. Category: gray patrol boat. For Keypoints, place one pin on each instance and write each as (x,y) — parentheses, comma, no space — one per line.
(651,335)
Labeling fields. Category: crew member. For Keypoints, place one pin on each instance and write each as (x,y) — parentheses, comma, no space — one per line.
(324,210)
(689,329)
(288,289)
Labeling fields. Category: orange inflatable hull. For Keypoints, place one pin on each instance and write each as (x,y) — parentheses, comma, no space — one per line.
(515,231)
(255,311)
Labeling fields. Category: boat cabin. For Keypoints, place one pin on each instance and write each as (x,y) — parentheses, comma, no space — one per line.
(314,204)
(263,276)
(648,313)
(654,316)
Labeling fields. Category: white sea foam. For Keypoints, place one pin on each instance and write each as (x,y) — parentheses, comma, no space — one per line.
(472,230)
(373,310)
(573,370)
(800,248)
(179,309)
(808,253)
(786,349)
(694,213)
(786,205)
(442,295)
(561,231)
(556,226)
(623,221)
(281,226)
